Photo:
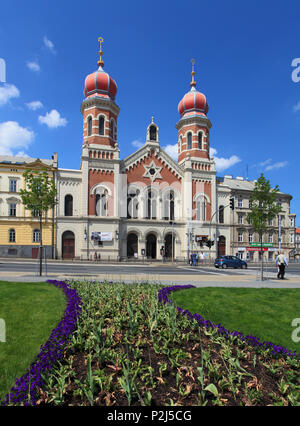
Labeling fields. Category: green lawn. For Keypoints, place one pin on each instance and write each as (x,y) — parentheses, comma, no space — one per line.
(30,312)
(264,313)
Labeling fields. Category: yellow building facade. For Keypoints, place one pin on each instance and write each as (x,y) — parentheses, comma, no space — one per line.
(20,228)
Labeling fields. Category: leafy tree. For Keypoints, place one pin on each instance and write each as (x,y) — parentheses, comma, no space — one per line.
(39,196)
(263,208)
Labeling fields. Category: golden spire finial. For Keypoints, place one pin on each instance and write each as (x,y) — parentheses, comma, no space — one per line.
(193,83)
(100,62)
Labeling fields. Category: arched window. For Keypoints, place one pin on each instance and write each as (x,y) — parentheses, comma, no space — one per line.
(200,140)
(101,125)
(89,126)
(221,214)
(151,205)
(189,141)
(168,206)
(153,133)
(201,208)
(36,236)
(132,204)
(12,236)
(101,204)
(112,129)
(68,205)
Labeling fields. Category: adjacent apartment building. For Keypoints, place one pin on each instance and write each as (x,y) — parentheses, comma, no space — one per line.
(20,228)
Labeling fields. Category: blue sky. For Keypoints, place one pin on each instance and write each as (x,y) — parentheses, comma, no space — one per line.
(243,51)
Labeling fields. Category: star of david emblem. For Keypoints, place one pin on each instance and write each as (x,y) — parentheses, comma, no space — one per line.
(152,171)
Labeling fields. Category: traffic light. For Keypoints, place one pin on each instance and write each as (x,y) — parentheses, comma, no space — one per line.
(231,203)
(210,243)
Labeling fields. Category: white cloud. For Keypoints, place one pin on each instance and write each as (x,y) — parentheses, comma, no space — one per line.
(172,150)
(52,119)
(223,163)
(137,144)
(296,107)
(13,136)
(7,92)
(48,43)
(33,66)
(34,105)
(278,165)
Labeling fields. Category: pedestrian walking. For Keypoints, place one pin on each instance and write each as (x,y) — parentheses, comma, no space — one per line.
(281,262)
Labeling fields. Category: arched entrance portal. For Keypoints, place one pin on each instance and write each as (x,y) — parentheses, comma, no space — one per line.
(169,246)
(132,245)
(221,246)
(68,245)
(151,246)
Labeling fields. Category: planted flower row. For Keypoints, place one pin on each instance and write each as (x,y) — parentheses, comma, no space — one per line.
(24,392)
(252,340)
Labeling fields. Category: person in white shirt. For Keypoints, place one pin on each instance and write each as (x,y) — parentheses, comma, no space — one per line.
(281,262)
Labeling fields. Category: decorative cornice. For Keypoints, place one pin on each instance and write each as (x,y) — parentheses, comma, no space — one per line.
(99,102)
(194,119)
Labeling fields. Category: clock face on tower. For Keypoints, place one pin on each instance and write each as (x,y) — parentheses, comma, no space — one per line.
(152,171)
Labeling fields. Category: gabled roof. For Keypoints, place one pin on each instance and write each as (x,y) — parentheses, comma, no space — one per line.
(146,151)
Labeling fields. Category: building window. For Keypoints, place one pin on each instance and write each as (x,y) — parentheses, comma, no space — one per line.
(36,236)
(151,205)
(270,238)
(12,236)
(153,133)
(200,140)
(221,214)
(12,185)
(240,237)
(250,237)
(240,219)
(12,209)
(168,206)
(292,238)
(68,205)
(132,205)
(180,144)
(292,222)
(101,125)
(240,202)
(112,129)
(101,204)
(270,222)
(201,208)
(189,141)
(89,126)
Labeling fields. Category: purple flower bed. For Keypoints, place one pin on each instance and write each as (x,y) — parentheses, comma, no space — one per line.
(252,340)
(24,392)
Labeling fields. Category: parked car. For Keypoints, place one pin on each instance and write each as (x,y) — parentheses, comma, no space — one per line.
(230,262)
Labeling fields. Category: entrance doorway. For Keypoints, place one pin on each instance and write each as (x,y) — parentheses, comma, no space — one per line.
(169,246)
(132,245)
(151,246)
(68,245)
(221,246)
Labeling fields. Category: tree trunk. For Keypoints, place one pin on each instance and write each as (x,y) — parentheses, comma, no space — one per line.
(262,259)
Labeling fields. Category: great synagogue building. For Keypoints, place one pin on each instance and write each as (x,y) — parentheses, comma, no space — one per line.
(144,206)
(147,205)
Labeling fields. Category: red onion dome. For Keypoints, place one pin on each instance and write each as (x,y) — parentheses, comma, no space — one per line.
(193,101)
(99,83)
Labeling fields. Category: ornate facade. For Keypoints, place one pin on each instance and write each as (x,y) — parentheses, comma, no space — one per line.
(147,205)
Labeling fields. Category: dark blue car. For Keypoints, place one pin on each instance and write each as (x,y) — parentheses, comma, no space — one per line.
(230,262)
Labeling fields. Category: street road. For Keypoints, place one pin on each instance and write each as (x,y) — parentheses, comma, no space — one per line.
(92,268)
